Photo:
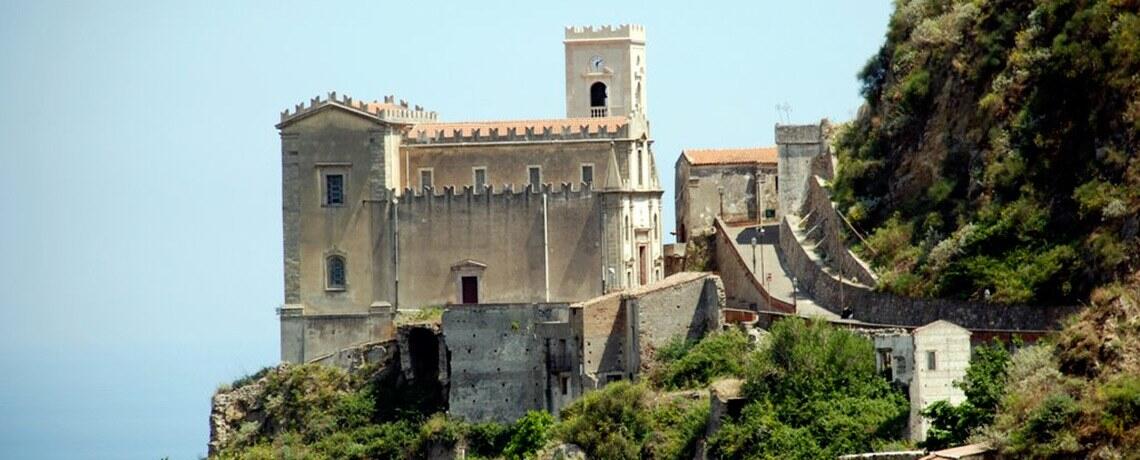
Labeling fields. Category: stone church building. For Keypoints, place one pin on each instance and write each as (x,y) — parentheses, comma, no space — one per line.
(387,207)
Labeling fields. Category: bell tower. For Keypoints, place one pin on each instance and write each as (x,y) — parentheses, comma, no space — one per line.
(605,71)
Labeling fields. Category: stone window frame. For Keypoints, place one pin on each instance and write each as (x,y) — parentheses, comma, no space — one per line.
(475,178)
(431,178)
(582,173)
(329,257)
(324,170)
(536,187)
(931,360)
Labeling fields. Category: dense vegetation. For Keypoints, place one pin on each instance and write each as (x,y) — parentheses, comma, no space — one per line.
(996,157)
(1078,397)
(813,393)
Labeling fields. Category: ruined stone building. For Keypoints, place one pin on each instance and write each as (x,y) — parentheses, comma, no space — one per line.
(385,206)
(738,185)
(926,361)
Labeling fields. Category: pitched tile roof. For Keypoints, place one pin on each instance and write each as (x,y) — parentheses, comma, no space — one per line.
(730,155)
(466,128)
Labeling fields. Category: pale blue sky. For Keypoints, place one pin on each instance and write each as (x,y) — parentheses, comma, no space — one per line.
(140,245)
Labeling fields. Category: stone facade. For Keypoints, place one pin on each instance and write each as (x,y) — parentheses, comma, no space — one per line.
(386,207)
(736,185)
(941,356)
(506,359)
(798,146)
(926,361)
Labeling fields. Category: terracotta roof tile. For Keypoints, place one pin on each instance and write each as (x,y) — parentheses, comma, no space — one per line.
(612,124)
(730,155)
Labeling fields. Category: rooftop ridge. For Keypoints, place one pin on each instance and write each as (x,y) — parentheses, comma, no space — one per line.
(389,110)
(731,155)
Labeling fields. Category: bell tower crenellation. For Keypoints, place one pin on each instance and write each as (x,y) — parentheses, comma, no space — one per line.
(605,71)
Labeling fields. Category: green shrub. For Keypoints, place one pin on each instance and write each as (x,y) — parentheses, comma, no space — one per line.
(695,365)
(529,434)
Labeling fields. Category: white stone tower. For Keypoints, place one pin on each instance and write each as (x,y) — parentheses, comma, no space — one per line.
(605,71)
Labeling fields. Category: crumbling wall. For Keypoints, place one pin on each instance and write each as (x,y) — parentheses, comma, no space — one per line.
(683,305)
(605,331)
(502,356)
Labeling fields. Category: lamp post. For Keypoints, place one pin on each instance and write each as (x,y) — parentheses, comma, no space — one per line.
(720,191)
(754,255)
(794,307)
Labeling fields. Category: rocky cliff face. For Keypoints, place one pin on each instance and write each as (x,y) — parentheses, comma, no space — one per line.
(996,157)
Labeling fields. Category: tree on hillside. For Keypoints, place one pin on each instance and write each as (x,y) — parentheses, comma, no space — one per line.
(813,393)
(984,386)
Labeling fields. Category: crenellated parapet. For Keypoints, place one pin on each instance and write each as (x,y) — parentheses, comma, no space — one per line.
(520,131)
(607,32)
(506,196)
(388,111)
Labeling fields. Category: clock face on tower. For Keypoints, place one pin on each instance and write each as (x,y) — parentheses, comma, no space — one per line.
(596,64)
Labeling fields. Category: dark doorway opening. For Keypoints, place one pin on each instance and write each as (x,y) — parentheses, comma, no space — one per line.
(469,286)
(642,262)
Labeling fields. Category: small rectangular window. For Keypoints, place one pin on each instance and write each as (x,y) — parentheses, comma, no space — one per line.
(769,213)
(534,177)
(931,361)
(425,179)
(588,174)
(565,384)
(479,179)
(334,189)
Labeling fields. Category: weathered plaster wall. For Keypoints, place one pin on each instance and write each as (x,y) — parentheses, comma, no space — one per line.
(502,357)
(797,147)
(700,190)
(330,141)
(683,305)
(508,163)
(308,337)
(505,231)
(606,345)
(951,347)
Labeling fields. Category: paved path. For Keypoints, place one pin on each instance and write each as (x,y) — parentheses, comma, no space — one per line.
(779,284)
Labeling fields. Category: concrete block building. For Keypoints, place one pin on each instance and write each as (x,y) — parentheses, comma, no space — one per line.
(385,206)
(738,185)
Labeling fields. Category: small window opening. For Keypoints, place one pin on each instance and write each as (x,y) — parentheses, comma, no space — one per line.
(334,189)
(931,361)
(336,272)
(534,177)
(425,179)
(480,179)
(588,174)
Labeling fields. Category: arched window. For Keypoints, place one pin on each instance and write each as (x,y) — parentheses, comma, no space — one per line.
(336,272)
(598,95)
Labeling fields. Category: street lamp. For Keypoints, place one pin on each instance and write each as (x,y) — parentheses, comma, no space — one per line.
(794,307)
